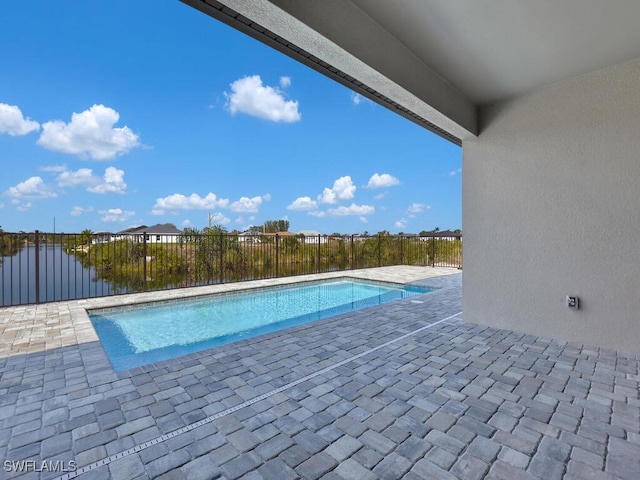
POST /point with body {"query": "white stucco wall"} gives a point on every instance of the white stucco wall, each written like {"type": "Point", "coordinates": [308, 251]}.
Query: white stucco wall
{"type": "Point", "coordinates": [551, 206]}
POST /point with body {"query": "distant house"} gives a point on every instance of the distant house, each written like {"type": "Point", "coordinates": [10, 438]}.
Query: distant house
{"type": "Point", "coordinates": [279, 234]}
{"type": "Point", "coordinates": [101, 237]}
{"type": "Point", "coordinates": [441, 234]}
{"type": "Point", "coordinates": [155, 234]}
{"type": "Point", "coordinates": [312, 237]}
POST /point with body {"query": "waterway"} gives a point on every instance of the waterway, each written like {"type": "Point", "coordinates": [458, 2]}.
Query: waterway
{"type": "Point", "coordinates": [62, 277]}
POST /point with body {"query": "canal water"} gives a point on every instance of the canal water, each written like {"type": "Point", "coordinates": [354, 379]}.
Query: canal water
{"type": "Point", "coordinates": [62, 277]}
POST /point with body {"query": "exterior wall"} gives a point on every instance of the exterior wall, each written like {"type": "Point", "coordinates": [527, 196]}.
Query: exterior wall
{"type": "Point", "coordinates": [551, 206]}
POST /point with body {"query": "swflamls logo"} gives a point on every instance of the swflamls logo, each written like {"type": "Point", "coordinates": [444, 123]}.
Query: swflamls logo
{"type": "Point", "coordinates": [44, 466]}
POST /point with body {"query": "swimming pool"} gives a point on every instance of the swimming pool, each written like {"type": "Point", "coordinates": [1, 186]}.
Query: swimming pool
{"type": "Point", "coordinates": [143, 334]}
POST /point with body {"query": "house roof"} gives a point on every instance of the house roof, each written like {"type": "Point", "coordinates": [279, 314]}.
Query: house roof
{"type": "Point", "coordinates": [131, 230]}
{"type": "Point", "coordinates": [158, 229]}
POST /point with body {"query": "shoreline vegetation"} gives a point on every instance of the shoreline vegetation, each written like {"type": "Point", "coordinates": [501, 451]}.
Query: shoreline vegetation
{"type": "Point", "coordinates": [129, 263]}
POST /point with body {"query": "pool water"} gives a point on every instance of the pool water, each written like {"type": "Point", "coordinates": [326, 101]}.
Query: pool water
{"type": "Point", "coordinates": [135, 336]}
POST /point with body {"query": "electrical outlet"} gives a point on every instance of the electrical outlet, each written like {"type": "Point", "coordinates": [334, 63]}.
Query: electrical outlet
{"type": "Point", "coordinates": [572, 302]}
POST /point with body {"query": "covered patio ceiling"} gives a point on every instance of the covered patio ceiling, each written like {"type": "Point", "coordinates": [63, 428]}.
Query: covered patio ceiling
{"type": "Point", "coordinates": [436, 61]}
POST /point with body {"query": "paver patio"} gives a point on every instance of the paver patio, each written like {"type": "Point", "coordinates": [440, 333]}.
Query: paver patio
{"type": "Point", "coordinates": [402, 390]}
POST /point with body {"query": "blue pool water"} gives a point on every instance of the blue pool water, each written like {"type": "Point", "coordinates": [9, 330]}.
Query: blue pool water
{"type": "Point", "coordinates": [139, 335]}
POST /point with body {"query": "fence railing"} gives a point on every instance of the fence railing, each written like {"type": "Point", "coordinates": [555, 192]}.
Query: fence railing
{"type": "Point", "coordinates": [45, 267]}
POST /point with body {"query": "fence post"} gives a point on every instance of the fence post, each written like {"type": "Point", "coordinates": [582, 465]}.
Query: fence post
{"type": "Point", "coordinates": [277, 255]}
{"type": "Point", "coordinates": [379, 251]}
{"type": "Point", "coordinates": [144, 261]}
{"type": "Point", "coordinates": [433, 252]}
{"type": "Point", "coordinates": [319, 269]}
{"type": "Point", "coordinates": [37, 266]}
{"type": "Point", "coordinates": [352, 260]}
{"type": "Point", "coordinates": [221, 257]}
{"type": "Point", "coordinates": [401, 250]}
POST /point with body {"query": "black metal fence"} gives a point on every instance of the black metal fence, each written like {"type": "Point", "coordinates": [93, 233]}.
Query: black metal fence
{"type": "Point", "coordinates": [45, 267]}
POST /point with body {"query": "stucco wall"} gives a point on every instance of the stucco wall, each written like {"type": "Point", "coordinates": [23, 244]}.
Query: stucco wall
{"type": "Point", "coordinates": [551, 206]}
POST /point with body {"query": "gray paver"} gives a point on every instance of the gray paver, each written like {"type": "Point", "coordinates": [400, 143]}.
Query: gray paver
{"type": "Point", "coordinates": [447, 402]}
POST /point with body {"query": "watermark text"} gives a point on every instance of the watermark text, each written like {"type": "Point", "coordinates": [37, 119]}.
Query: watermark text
{"type": "Point", "coordinates": [22, 466]}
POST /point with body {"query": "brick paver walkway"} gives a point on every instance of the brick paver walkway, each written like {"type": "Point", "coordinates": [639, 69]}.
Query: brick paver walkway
{"type": "Point", "coordinates": [403, 390]}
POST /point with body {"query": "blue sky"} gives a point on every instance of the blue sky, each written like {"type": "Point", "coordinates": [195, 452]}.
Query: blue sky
{"type": "Point", "coordinates": [121, 113]}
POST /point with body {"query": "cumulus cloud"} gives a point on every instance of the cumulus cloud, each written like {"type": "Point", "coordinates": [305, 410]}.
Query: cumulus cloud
{"type": "Point", "coordinates": [382, 181]}
{"type": "Point", "coordinates": [112, 182]}
{"type": "Point", "coordinates": [318, 213]}
{"type": "Point", "coordinates": [115, 215]}
{"type": "Point", "coordinates": [248, 95]}
{"type": "Point", "coordinates": [303, 204]}
{"type": "Point", "coordinates": [401, 223]}
{"type": "Point", "coordinates": [89, 134]}
{"type": "Point", "coordinates": [416, 208]}
{"type": "Point", "coordinates": [218, 219]}
{"type": "Point", "coordinates": [177, 201]}
{"type": "Point", "coordinates": [77, 211]}
{"type": "Point", "coordinates": [54, 168]}
{"type": "Point", "coordinates": [14, 123]}
{"type": "Point", "coordinates": [285, 82]}
{"type": "Point", "coordinates": [246, 205]}
{"type": "Point", "coordinates": [343, 189]}
{"type": "Point", "coordinates": [23, 207]}
{"type": "Point", "coordinates": [83, 176]}
{"type": "Point", "coordinates": [33, 187]}
{"type": "Point", "coordinates": [353, 209]}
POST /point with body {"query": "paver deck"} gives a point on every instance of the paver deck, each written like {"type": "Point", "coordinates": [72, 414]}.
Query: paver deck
{"type": "Point", "coordinates": [402, 390]}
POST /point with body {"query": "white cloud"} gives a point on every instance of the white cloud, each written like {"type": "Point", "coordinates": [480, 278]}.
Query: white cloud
{"type": "Point", "coordinates": [356, 98]}
{"type": "Point", "coordinates": [343, 189]}
{"type": "Point", "coordinates": [266, 197]}
{"type": "Point", "coordinates": [1, 205]}
{"type": "Point", "coordinates": [246, 205]}
{"type": "Point", "coordinates": [455, 172]}
{"type": "Point", "coordinates": [83, 176]}
{"type": "Point", "coordinates": [33, 187]}
{"type": "Point", "coordinates": [317, 213]}
{"type": "Point", "coordinates": [382, 181]}
{"type": "Point", "coordinates": [77, 211]}
{"type": "Point", "coordinates": [178, 201]}
{"type": "Point", "coordinates": [89, 134]}
{"type": "Point", "coordinates": [401, 223]}
{"type": "Point", "coordinates": [14, 123]}
{"type": "Point", "coordinates": [380, 196]}
{"type": "Point", "coordinates": [115, 215]}
{"type": "Point", "coordinates": [416, 208]}
{"type": "Point", "coordinates": [24, 207]}
{"type": "Point", "coordinates": [285, 82]}
{"type": "Point", "coordinates": [353, 209]}
{"type": "Point", "coordinates": [303, 203]}
{"type": "Point", "coordinates": [112, 182]}
{"type": "Point", "coordinates": [186, 223]}
{"type": "Point", "coordinates": [364, 219]}
{"type": "Point", "coordinates": [248, 95]}
{"type": "Point", "coordinates": [54, 168]}
{"type": "Point", "coordinates": [219, 219]}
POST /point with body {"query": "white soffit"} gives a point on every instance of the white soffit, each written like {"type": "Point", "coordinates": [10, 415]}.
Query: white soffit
{"type": "Point", "coordinates": [496, 49]}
